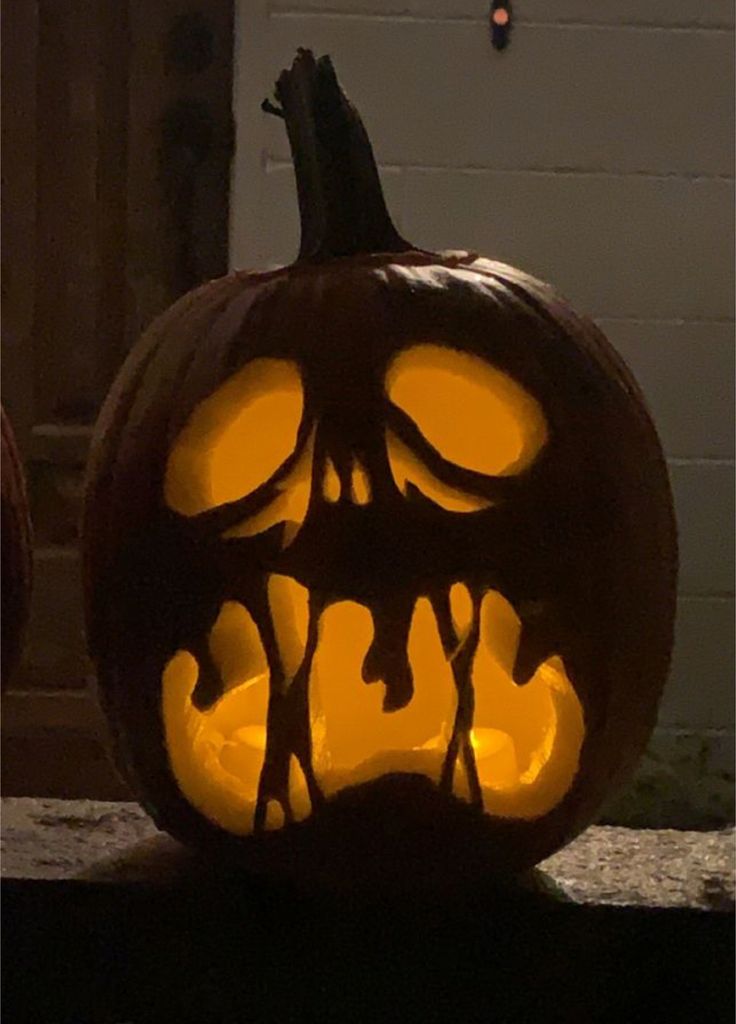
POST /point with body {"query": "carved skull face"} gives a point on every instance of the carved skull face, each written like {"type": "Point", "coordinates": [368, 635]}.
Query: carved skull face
{"type": "Point", "coordinates": [370, 509]}
{"type": "Point", "coordinates": [387, 516]}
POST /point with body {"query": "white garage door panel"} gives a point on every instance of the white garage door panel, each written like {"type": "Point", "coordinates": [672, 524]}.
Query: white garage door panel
{"type": "Point", "coordinates": [616, 247]}
{"type": "Point", "coordinates": [596, 152]}
{"type": "Point", "coordinates": [637, 247]}
{"type": "Point", "coordinates": [699, 693]}
{"type": "Point", "coordinates": [704, 504]}
{"type": "Point", "coordinates": [619, 99]}
{"type": "Point", "coordinates": [686, 371]}
{"type": "Point", "coordinates": [623, 12]}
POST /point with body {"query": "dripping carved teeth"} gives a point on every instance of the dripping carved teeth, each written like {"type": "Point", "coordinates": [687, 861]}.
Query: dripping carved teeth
{"type": "Point", "coordinates": [460, 720]}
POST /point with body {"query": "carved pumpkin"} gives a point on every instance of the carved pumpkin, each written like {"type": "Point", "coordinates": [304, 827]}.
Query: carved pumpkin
{"type": "Point", "coordinates": [380, 515]}
{"type": "Point", "coordinates": [16, 552]}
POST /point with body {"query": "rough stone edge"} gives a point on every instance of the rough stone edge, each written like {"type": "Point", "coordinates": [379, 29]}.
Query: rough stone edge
{"type": "Point", "coordinates": [117, 843]}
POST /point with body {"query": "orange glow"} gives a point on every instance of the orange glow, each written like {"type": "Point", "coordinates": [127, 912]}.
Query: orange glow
{"type": "Point", "coordinates": [237, 438]}
{"type": "Point", "coordinates": [358, 740]}
{"type": "Point", "coordinates": [500, 16]}
{"type": "Point", "coordinates": [474, 415]}
{"type": "Point", "coordinates": [406, 469]}
{"type": "Point", "coordinates": [289, 604]}
{"type": "Point", "coordinates": [217, 755]}
{"type": "Point", "coordinates": [360, 485]}
{"type": "Point", "coordinates": [289, 506]}
{"type": "Point", "coordinates": [461, 609]}
{"type": "Point", "coordinates": [330, 482]}
{"type": "Point", "coordinates": [526, 741]}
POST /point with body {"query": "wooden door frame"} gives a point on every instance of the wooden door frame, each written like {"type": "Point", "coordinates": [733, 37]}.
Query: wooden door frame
{"type": "Point", "coordinates": [96, 241]}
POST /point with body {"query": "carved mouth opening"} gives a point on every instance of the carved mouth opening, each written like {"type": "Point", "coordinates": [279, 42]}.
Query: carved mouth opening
{"type": "Point", "coordinates": [263, 755]}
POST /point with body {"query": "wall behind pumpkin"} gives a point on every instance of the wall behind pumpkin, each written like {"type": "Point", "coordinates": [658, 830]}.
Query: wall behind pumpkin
{"type": "Point", "coordinates": [595, 152]}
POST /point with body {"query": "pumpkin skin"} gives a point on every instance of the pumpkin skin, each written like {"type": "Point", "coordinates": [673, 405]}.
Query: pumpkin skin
{"type": "Point", "coordinates": [580, 543]}
{"type": "Point", "coordinates": [16, 552]}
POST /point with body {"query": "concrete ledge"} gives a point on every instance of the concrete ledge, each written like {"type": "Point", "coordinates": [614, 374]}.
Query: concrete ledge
{"type": "Point", "coordinates": [106, 920]}
{"type": "Point", "coordinates": [117, 842]}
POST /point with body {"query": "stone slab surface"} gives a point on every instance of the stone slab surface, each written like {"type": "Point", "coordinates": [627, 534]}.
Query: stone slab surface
{"type": "Point", "coordinates": [118, 843]}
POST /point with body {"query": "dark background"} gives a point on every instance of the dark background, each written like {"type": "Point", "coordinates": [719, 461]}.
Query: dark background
{"type": "Point", "coordinates": [117, 138]}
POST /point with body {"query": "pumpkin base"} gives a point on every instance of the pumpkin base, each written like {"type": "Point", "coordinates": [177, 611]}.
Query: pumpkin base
{"type": "Point", "coordinates": [398, 833]}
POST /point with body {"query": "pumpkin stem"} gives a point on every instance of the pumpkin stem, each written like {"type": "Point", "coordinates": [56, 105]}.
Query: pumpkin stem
{"type": "Point", "coordinates": [341, 202]}
{"type": "Point", "coordinates": [270, 108]}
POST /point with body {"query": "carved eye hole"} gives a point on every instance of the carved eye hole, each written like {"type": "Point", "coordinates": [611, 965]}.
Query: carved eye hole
{"type": "Point", "coordinates": [472, 414]}
{"type": "Point", "coordinates": [236, 439]}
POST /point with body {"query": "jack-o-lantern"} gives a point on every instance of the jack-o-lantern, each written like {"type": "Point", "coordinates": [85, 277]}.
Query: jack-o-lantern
{"type": "Point", "coordinates": [16, 552]}
{"type": "Point", "coordinates": [379, 515]}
